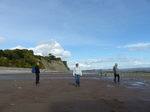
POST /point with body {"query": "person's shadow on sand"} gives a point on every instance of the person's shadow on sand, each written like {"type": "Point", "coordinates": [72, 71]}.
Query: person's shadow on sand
{"type": "Point", "coordinates": [73, 84]}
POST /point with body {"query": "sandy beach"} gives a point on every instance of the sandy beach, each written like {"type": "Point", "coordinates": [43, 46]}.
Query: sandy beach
{"type": "Point", "coordinates": [57, 93]}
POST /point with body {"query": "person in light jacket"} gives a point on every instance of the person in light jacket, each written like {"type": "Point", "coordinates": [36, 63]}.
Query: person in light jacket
{"type": "Point", "coordinates": [116, 73]}
{"type": "Point", "coordinates": [77, 73]}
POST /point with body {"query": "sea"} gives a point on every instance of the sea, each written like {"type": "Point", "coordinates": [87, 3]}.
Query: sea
{"type": "Point", "coordinates": [124, 70]}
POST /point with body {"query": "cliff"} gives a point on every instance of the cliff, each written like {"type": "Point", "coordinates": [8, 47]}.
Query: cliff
{"type": "Point", "coordinates": [22, 59]}
{"type": "Point", "coordinates": [55, 65]}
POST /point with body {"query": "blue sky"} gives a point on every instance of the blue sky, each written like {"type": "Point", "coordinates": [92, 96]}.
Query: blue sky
{"type": "Point", "coordinates": [95, 33]}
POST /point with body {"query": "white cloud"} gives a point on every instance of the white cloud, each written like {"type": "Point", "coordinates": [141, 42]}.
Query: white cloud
{"type": "Point", "coordinates": [83, 66]}
{"type": "Point", "coordinates": [137, 63]}
{"type": "Point", "coordinates": [101, 63]}
{"type": "Point", "coordinates": [18, 47]}
{"type": "Point", "coordinates": [46, 47]}
{"type": "Point", "coordinates": [135, 45]}
{"type": "Point", "coordinates": [109, 60]}
{"type": "Point", "coordinates": [2, 39]}
{"type": "Point", "coordinates": [136, 49]}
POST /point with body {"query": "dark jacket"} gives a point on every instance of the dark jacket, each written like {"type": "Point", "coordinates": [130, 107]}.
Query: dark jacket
{"type": "Point", "coordinates": [37, 69]}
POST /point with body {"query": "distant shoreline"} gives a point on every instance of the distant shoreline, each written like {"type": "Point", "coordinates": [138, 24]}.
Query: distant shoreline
{"type": "Point", "coordinates": [4, 70]}
{"type": "Point", "coordinates": [13, 68]}
{"type": "Point", "coordinates": [9, 70]}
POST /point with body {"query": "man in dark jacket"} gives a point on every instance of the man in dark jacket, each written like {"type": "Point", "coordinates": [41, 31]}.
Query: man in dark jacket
{"type": "Point", "coordinates": [37, 73]}
{"type": "Point", "coordinates": [116, 73]}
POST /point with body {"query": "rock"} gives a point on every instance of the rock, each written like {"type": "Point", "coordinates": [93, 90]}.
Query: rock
{"type": "Point", "coordinates": [12, 104]}
{"type": "Point", "coordinates": [19, 87]}
{"type": "Point", "coordinates": [54, 65]}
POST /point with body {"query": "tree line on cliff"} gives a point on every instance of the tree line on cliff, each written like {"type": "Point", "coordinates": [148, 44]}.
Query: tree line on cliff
{"type": "Point", "coordinates": [24, 58]}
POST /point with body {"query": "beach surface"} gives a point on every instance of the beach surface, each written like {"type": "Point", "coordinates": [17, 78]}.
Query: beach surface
{"type": "Point", "coordinates": [57, 93]}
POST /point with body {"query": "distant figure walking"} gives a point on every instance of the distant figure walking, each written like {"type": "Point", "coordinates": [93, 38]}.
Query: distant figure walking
{"type": "Point", "coordinates": [101, 72]}
{"type": "Point", "coordinates": [77, 73]}
{"type": "Point", "coordinates": [116, 73]}
{"type": "Point", "coordinates": [37, 73]}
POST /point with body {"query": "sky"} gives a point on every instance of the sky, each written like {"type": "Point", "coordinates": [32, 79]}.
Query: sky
{"type": "Point", "coordinates": [95, 33]}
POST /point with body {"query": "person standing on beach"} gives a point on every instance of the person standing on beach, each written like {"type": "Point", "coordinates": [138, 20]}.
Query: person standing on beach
{"type": "Point", "coordinates": [37, 73]}
{"type": "Point", "coordinates": [101, 72]}
{"type": "Point", "coordinates": [77, 73]}
{"type": "Point", "coordinates": [116, 73]}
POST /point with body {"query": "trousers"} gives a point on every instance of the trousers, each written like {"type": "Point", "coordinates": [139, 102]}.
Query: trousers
{"type": "Point", "coordinates": [77, 78]}
{"type": "Point", "coordinates": [116, 76]}
{"type": "Point", "coordinates": [37, 78]}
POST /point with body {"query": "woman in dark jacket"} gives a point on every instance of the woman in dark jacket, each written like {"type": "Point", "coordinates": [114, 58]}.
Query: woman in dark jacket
{"type": "Point", "coordinates": [37, 73]}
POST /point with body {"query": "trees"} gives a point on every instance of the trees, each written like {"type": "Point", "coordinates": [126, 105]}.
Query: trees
{"type": "Point", "coordinates": [17, 58]}
{"type": "Point", "coordinates": [19, 53]}
{"type": "Point", "coordinates": [7, 54]}
{"type": "Point", "coordinates": [1, 53]}
{"type": "Point", "coordinates": [52, 57]}
{"type": "Point", "coordinates": [24, 58]}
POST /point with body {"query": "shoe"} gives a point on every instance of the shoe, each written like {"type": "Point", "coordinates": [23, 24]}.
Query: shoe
{"type": "Point", "coordinates": [78, 85]}
{"type": "Point", "coordinates": [38, 84]}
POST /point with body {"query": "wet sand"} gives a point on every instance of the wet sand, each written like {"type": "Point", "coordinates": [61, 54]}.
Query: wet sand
{"type": "Point", "coordinates": [57, 93]}
{"type": "Point", "coordinates": [139, 76]}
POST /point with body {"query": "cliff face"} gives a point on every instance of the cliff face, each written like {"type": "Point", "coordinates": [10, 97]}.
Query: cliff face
{"type": "Point", "coordinates": [54, 65]}
{"type": "Point", "coordinates": [60, 66]}
{"type": "Point", "coordinates": [25, 58]}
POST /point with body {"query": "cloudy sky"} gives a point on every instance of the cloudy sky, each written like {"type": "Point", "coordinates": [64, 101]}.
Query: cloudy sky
{"type": "Point", "coordinates": [95, 33]}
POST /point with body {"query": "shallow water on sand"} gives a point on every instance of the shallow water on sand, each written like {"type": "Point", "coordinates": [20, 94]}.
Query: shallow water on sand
{"type": "Point", "coordinates": [127, 83]}
{"type": "Point", "coordinates": [13, 78]}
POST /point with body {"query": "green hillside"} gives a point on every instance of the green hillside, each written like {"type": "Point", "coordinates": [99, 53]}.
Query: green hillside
{"type": "Point", "coordinates": [25, 58]}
